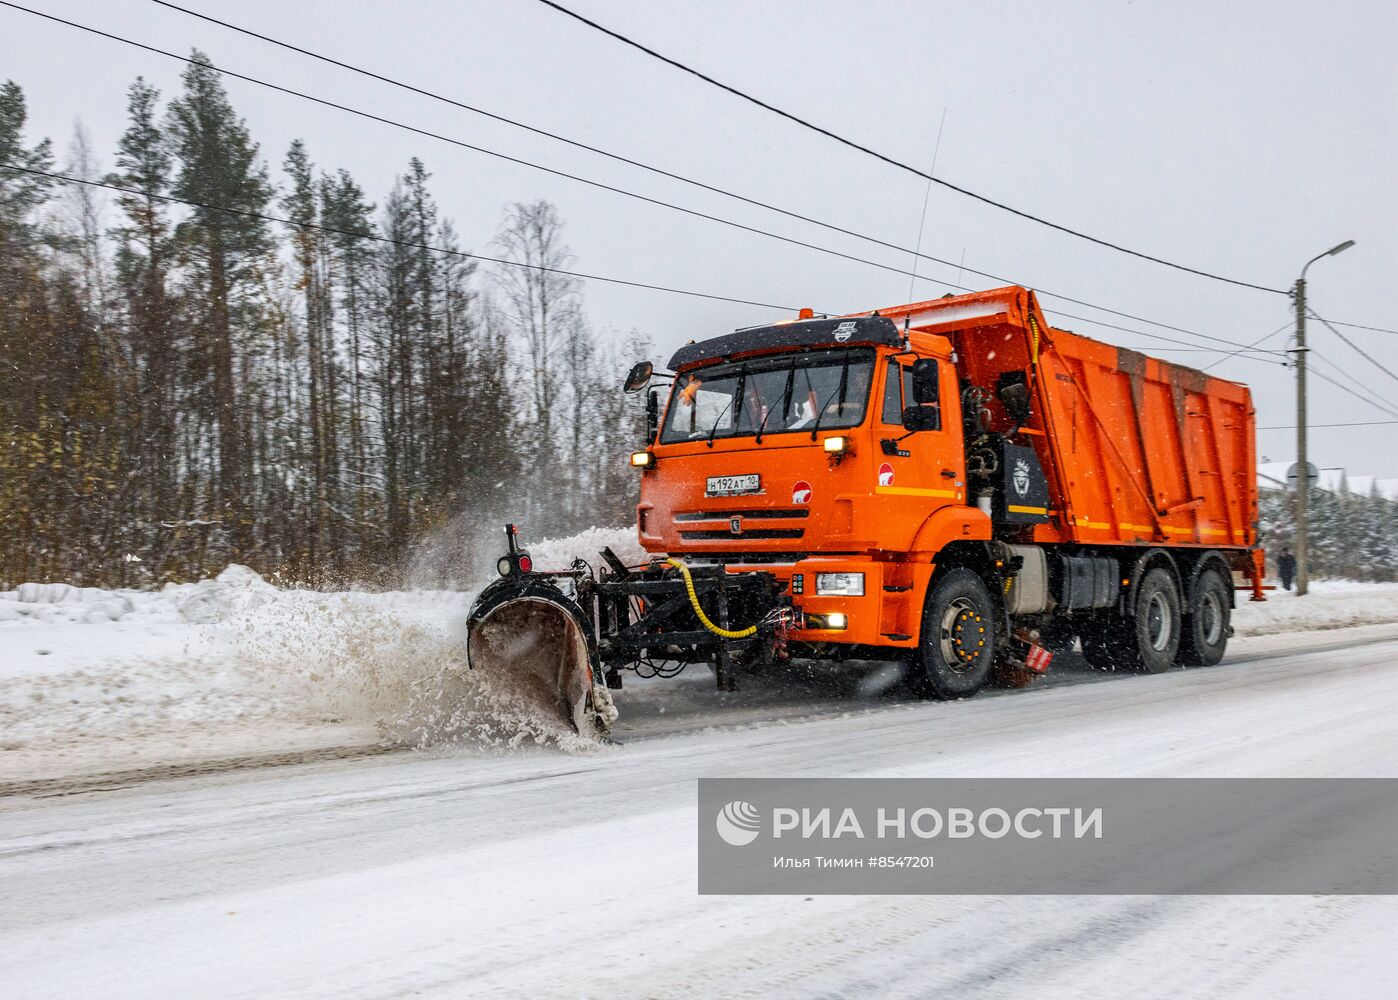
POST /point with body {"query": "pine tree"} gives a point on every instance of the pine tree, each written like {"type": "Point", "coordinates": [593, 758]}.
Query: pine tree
{"type": "Point", "coordinates": [21, 194]}
{"type": "Point", "coordinates": [302, 207]}
{"type": "Point", "coordinates": [395, 322]}
{"type": "Point", "coordinates": [453, 444]}
{"type": "Point", "coordinates": [143, 260]}
{"type": "Point", "coordinates": [224, 243]}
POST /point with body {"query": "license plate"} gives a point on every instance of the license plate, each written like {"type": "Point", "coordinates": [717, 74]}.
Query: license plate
{"type": "Point", "coordinates": [732, 486]}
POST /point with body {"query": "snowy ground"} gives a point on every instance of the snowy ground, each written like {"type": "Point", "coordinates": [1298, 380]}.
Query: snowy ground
{"type": "Point", "coordinates": [506, 860]}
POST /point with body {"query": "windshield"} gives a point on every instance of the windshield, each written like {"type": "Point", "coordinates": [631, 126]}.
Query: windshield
{"type": "Point", "coordinates": [770, 395]}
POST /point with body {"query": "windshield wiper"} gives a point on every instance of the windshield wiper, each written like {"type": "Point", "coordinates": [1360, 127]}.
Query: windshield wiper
{"type": "Point", "coordinates": [786, 396]}
{"type": "Point", "coordinates": [737, 413]}
{"type": "Point", "coordinates": [844, 384]}
{"type": "Point", "coordinates": [714, 429]}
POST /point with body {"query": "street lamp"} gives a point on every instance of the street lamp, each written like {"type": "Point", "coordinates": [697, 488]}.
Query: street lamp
{"type": "Point", "coordinates": [1303, 479]}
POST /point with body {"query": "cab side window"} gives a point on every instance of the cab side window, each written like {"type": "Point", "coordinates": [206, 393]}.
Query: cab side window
{"type": "Point", "coordinates": [892, 403]}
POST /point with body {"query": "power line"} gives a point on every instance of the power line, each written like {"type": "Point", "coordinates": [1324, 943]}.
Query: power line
{"type": "Point", "coordinates": [1374, 402]}
{"type": "Point", "coordinates": [1259, 340]}
{"type": "Point", "coordinates": [1249, 354]}
{"type": "Point", "coordinates": [893, 162]}
{"type": "Point", "coordinates": [447, 139]}
{"type": "Point", "coordinates": [385, 239]}
{"type": "Point", "coordinates": [916, 253]}
{"type": "Point", "coordinates": [1363, 392]}
{"type": "Point", "coordinates": [1375, 398]}
{"type": "Point", "coordinates": [1357, 423]}
{"type": "Point", "coordinates": [1359, 326]}
{"type": "Point", "coordinates": [611, 188]}
{"type": "Point", "coordinates": [1359, 350]}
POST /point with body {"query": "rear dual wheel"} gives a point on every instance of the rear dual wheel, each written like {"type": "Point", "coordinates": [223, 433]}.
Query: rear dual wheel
{"type": "Point", "coordinates": [1206, 625]}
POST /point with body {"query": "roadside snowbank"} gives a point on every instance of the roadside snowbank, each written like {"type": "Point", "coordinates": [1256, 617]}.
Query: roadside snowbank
{"type": "Point", "coordinates": [236, 666]}
{"type": "Point", "coordinates": [1330, 604]}
{"type": "Point", "coordinates": [238, 591]}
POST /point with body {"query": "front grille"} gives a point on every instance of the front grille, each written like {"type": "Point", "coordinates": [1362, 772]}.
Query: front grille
{"type": "Point", "coordinates": [755, 533]}
{"type": "Point", "coordinates": [767, 513]}
{"type": "Point", "coordinates": [728, 557]}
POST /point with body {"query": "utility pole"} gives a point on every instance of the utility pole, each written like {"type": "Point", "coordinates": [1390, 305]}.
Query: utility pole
{"type": "Point", "coordinates": [1303, 469]}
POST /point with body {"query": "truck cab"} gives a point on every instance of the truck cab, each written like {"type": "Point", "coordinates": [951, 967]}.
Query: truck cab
{"type": "Point", "coordinates": [828, 452]}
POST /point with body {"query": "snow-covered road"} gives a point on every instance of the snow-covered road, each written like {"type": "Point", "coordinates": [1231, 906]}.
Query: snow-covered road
{"type": "Point", "coordinates": [538, 873]}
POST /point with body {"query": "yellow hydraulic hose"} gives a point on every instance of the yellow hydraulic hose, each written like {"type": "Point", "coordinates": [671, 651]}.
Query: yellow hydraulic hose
{"type": "Point", "coordinates": [723, 633]}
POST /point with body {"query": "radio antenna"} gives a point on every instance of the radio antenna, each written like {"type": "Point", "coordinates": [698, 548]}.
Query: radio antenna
{"type": "Point", "coordinates": [927, 195]}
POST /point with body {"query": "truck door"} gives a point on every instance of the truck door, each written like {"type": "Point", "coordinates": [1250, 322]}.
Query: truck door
{"type": "Point", "coordinates": [928, 463]}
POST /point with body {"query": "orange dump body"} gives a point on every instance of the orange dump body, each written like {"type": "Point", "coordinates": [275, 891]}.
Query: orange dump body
{"type": "Point", "coordinates": [1136, 450]}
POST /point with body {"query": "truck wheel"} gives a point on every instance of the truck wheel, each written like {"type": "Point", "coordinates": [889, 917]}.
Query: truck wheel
{"type": "Point", "coordinates": [958, 638]}
{"type": "Point", "coordinates": [1158, 622]}
{"type": "Point", "coordinates": [1206, 626]}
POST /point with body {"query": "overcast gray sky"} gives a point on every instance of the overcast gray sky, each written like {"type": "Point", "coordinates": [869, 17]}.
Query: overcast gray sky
{"type": "Point", "coordinates": [1241, 138]}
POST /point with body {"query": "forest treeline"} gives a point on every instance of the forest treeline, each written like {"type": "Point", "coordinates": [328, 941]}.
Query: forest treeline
{"type": "Point", "coordinates": [185, 383]}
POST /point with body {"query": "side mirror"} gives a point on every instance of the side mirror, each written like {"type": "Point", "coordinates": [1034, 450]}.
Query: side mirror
{"type": "Point", "coordinates": [920, 418]}
{"type": "Point", "coordinates": [925, 381]}
{"type": "Point", "coordinates": [1015, 396]}
{"type": "Point", "coordinates": [639, 377]}
{"type": "Point", "coordinates": [652, 415]}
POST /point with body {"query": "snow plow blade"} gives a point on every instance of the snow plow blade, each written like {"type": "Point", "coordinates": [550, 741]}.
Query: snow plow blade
{"type": "Point", "coordinates": [528, 631]}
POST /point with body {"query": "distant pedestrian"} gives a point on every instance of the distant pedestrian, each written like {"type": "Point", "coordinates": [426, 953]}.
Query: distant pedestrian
{"type": "Point", "coordinates": [1286, 568]}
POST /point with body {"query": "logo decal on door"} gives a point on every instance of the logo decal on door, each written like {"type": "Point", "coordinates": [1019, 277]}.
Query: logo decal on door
{"type": "Point", "coordinates": [885, 474]}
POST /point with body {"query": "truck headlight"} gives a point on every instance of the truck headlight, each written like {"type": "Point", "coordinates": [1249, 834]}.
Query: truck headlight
{"type": "Point", "coordinates": [642, 459]}
{"type": "Point", "coordinates": [837, 445]}
{"type": "Point", "coordinates": [839, 584]}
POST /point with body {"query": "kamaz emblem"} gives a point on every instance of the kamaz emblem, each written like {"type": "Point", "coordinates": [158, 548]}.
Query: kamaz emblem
{"type": "Point", "coordinates": [735, 525]}
{"type": "Point", "coordinates": [1021, 477]}
{"type": "Point", "coordinates": [844, 331]}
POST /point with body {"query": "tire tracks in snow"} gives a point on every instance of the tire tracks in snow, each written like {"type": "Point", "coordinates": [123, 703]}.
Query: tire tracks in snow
{"type": "Point", "coordinates": [111, 781]}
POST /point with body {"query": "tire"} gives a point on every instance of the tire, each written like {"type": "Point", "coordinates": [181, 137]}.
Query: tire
{"type": "Point", "coordinates": [1206, 625]}
{"type": "Point", "coordinates": [1157, 621]}
{"type": "Point", "coordinates": [957, 650]}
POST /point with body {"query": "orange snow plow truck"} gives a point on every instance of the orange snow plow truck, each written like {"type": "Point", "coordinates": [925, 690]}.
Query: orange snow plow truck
{"type": "Point", "coordinates": [953, 484]}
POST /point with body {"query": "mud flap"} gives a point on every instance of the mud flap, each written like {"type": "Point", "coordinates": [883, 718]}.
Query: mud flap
{"type": "Point", "coordinates": [530, 632]}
